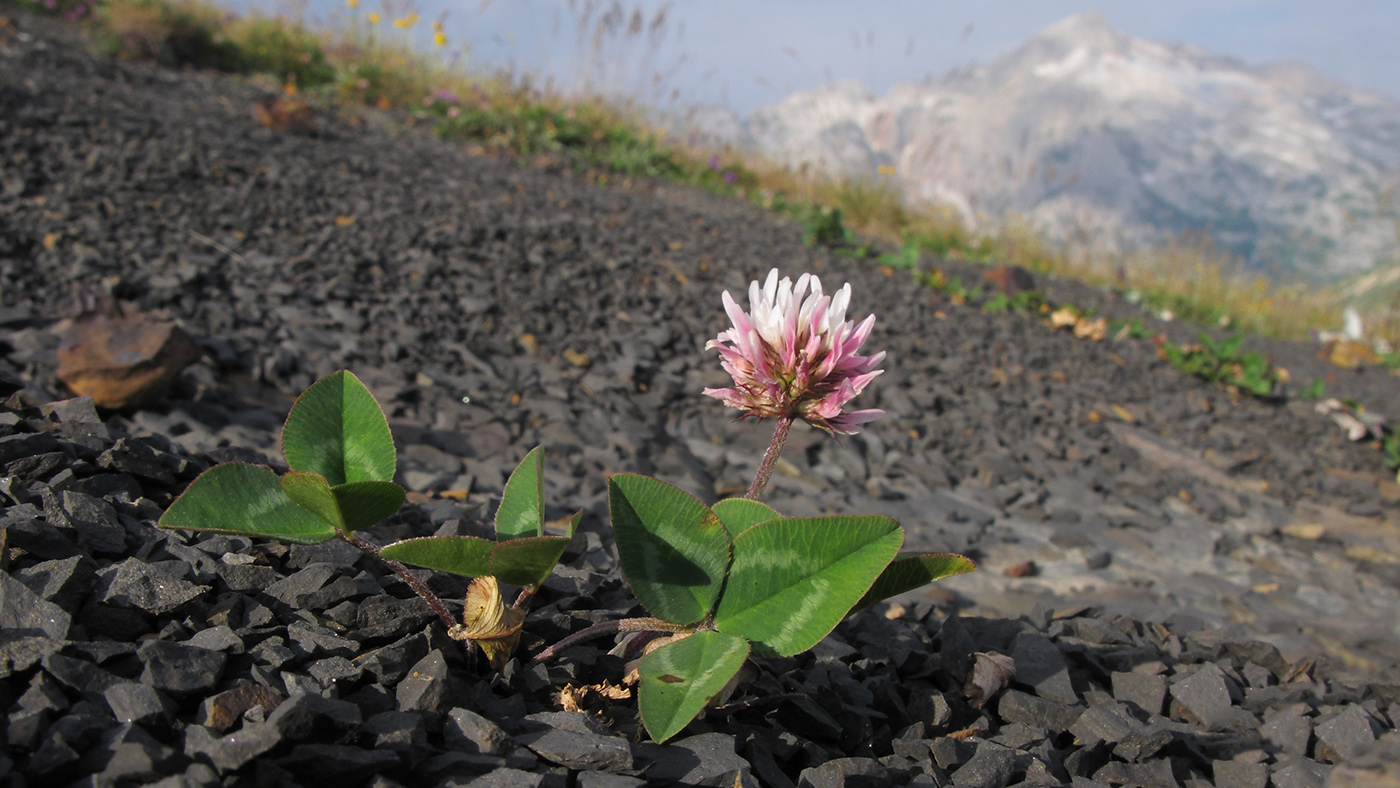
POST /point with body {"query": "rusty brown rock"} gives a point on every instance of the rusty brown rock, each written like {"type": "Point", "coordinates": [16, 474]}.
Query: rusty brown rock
{"type": "Point", "coordinates": [120, 361]}
{"type": "Point", "coordinates": [224, 709]}
{"type": "Point", "coordinates": [1010, 279]}
{"type": "Point", "coordinates": [285, 113]}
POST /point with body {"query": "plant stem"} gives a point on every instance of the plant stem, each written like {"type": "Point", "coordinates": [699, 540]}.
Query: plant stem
{"type": "Point", "coordinates": [414, 583]}
{"type": "Point", "coordinates": [770, 458]}
{"type": "Point", "coordinates": [607, 628]}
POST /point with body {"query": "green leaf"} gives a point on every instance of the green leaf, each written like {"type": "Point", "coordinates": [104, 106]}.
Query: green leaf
{"type": "Point", "coordinates": [528, 561]}
{"type": "Point", "coordinates": [336, 429]}
{"type": "Point", "coordinates": [911, 571]}
{"type": "Point", "coordinates": [366, 503]}
{"type": "Point", "coordinates": [468, 556]}
{"type": "Point", "coordinates": [522, 503]}
{"type": "Point", "coordinates": [738, 514]}
{"type": "Point", "coordinates": [674, 550]}
{"type": "Point", "coordinates": [680, 679]}
{"type": "Point", "coordinates": [311, 492]}
{"type": "Point", "coordinates": [794, 579]}
{"type": "Point", "coordinates": [238, 498]}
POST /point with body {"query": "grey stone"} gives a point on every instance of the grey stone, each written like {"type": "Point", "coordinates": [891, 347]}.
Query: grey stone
{"type": "Point", "coordinates": [696, 760]}
{"type": "Point", "coordinates": [63, 581]}
{"type": "Point", "coordinates": [180, 669]}
{"type": "Point", "coordinates": [1238, 774]}
{"type": "Point", "coordinates": [383, 616]}
{"type": "Point", "coordinates": [305, 581]}
{"type": "Point", "coordinates": [990, 766]}
{"type": "Point", "coordinates": [605, 780]}
{"type": "Point", "coordinates": [314, 640]}
{"type": "Point", "coordinates": [507, 777]}
{"type": "Point", "coordinates": [127, 754]}
{"type": "Point", "coordinates": [20, 652]}
{"type": "Point", "coordinates": [1103, 723]}
{"type": "Point", "coordinates": [1288, 728]}
{"type": "Point", "coordinates": [1204, 695]}
{"type": "Point", "coordinates": [429, 685]}
{"type": "Point", "coordinates": [402, 732]}
{"type": "Point", "coordinates": [26, 444]}
{"type": "Point", "coordinates": [219, 638]}
{"type": "Point", "coordinates": [1017, 706]}
{"type": "Point", "coordinates": [43, 694]}
{"type": "Point", "coordinates": [299, 717]}
{"type": "Point", "coordinates": [92, 518]}
{"type": "Point", "coordinates": [1154, 774]}
{"type": "Point", "coordinates": [1348, 733]}
{"type": "Point", "coordinates": [575, 740]}
{"type": "Point", "coordinates": [140, 586]}
{"type": "Point", "coordinates": [137, 458]}
{"type": "Point", "coordinates": [931, 708]}
{"type": "Point", "coordinates": [80, 675]}
{"type": "Point", "coordinates": [330, 670]}
{"type": "Point", "coordinates": [845, 773]}
{"type": "Point", "coordinates": [468, 731]}
{"type": "Point", "coordinates": [139, 703]}
{"type": "Point", "coordinates": [1145, 742]}
{"type": "Point", "coordinates": [331, 764]}
{"type": "Point", "coordinates": [1040, 664]}
{"type": "Point", "coordinates": [245, 578]}
{"type": "Point", "coordinates": [23, 611]}
{"type": "Point", "coordinates": [1147, 691]}
{"type": "Point", "coordinates": [389, 664]}
{"type": "Point", "coordinates": [1299, 773]}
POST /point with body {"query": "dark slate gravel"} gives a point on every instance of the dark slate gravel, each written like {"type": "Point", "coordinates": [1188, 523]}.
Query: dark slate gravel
{"type": "Point", "coordinates": [1213, 602]}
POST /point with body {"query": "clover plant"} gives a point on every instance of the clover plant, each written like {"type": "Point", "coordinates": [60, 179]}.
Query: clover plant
{"type": "Point", "coordinates": [340, 450]}
{"type": "Point", "coordinates": [722, 583]}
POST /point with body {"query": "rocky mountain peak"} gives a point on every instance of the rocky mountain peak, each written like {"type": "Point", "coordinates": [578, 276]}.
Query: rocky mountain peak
{"type": "Point", "coordinates": [1090, 132]}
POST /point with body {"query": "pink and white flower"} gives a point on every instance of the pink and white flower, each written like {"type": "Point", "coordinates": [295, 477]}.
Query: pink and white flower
{"type": "Point", "coordinates": [794, 355]}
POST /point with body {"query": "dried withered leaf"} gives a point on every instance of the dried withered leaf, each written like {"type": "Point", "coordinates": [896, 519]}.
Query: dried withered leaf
{"type": "Point", "coordinates": [1091, 329]}
{"type": "Point", "coordinates": [488, 623]}
{"type": "Point", "coordinates": [591, 697]}
{"type": "Point", "coordinates": [1065, 316]}
{"type": "Point", "coordinates": [990, 674]}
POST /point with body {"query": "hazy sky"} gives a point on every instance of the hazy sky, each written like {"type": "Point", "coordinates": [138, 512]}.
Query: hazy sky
{"type": "Point", "coordinates": [747, 53]}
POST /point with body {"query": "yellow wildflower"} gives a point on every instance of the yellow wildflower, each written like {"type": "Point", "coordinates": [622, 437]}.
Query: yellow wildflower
{"type": "Point", "coordinates": [439, 39]}
{"type": "Point", "coordinates": [373, 17]}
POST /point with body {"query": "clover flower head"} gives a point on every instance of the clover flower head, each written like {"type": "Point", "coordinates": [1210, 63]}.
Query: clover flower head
{"type": "Point", "coordinates": [794, 354]}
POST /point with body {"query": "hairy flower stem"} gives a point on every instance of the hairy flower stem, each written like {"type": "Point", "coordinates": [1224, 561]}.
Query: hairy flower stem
{"type": "Point", "coordinates": [608, 628]}
{"type": "Point", "coordinates": [770, 458]}
{"type": "Point", "coordinates": [406, 576]}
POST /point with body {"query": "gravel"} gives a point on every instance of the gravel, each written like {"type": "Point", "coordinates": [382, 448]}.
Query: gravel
{"type": "Point", "coordinates": [1214, 584]}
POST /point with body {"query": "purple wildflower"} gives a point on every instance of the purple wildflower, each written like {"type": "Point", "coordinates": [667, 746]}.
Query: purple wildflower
{"type": "Point", "coordinates": [796, 357]}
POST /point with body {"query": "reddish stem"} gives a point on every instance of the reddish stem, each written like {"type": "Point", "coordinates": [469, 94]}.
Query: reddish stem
{"type": "Point", "coordinates": [414, 583]}
{"type": "Point", "coordinates": [770, 458]}
{"type": "Point", "coordinates": [607, 628]}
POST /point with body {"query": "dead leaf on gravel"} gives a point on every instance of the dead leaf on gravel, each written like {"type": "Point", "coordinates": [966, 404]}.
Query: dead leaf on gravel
{"type": "Point", "coordinates": [1063, 317]}
{"type": "Point", "coordinates": [1347, 353]}
{"type": "Point", "coordinates": [488, 623]}
{"type": "Point", "coordinates": [1091, 329]}
{"type": "Point", "coordinates": [591, 698]}
{"type": "Point", "coordinates": [990, 674]}
{"type": "Point", "coordinates": [285, 113]}
{"type": "Point", "coordinates": [1124, 414]}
